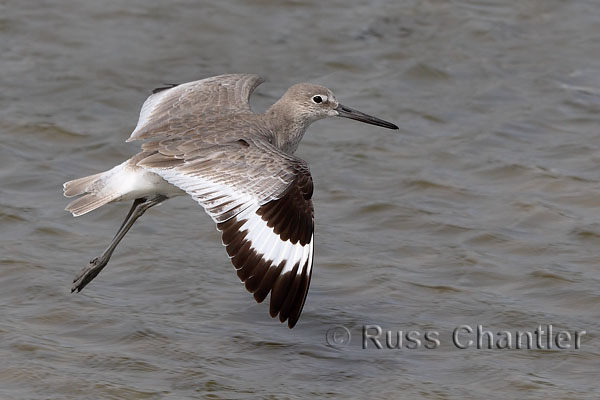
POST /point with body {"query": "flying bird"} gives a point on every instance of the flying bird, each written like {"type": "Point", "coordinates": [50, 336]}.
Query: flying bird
{"type": "Point", "coordinates": [202, 139]}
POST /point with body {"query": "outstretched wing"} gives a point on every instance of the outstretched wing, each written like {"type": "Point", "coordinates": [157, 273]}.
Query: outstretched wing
{"type": "Point", "coordinates": [178, 109]}
{"type": "Point", "coordinates": [260, 199]}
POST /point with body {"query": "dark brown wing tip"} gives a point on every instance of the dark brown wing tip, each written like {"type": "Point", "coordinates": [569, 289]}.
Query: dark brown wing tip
{"type": "Point", "coordinates": [301, 296]}
{"type": "Point", "coordinates": [166, 86]}
{"type": "Point", "coordinates": [292, 322]}
{"type": "Point", "coordinates": [289, 294]}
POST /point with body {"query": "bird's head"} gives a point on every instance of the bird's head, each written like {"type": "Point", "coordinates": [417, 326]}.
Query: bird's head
{"type": "Point", "coordinates": [314, 102]}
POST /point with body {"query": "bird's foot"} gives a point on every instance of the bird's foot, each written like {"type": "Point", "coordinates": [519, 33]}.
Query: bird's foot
{"type": "Point", "coordinates": [88, 273]}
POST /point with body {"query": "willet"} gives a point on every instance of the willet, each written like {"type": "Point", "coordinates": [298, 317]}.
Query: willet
{"type": "Point", "coordinates": [203, 140]}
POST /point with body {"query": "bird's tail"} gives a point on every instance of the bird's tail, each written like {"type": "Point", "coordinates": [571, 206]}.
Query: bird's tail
{"type": "Point", "coordinates": [94, 197]}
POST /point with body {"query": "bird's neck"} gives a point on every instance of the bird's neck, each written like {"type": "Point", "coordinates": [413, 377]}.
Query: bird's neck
{"type": "Point", "coordinates": [286, 125]}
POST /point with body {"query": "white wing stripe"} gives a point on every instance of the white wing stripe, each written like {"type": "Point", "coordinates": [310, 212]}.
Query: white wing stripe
{"type": "Point", "coordinates": [263, 238]}
{"type": "Point", "coordinates": [269, 244]}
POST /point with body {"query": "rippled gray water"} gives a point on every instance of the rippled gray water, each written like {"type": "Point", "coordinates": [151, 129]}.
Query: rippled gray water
{"type": "Point", "coordinates": [483, 209]}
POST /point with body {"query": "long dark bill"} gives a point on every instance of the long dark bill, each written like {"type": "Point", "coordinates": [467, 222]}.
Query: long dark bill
{"type": "Point", "coordinates": [347, 112]}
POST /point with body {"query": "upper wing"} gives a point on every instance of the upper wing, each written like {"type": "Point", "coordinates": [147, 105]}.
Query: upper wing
{"type": "Point", "coordinates": [180, 108]}
{"type": "Point", "coordinates": [260, 199]}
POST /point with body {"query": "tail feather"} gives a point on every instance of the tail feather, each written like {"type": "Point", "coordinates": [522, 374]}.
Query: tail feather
{"type": "Point", "coordinates": [126, 181]}
{"type": "Point", "coordinates": [89, 202]}
{"type": "Point", "coordinates": [93, 188]}
{"type": "Point", "coordinates": [81, 185]}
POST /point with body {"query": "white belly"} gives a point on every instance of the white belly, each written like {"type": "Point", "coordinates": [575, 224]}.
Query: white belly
{"type": "Point", "coordinates": [132, 182]}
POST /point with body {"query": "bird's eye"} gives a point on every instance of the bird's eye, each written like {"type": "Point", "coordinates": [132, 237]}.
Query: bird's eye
{"type": "Point", "coordinates": [317, 99]}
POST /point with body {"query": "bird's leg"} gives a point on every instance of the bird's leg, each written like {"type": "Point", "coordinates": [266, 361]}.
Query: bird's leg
{"type": "Point", "coordinates": [138, 208]}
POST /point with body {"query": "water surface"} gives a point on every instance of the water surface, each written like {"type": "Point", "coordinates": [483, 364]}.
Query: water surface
{"type": "Point", "coordinates": [482, 209]}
